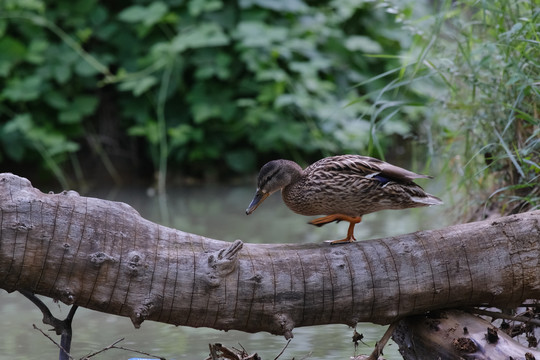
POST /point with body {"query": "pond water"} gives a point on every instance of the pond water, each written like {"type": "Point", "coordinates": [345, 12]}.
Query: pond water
{"type": "Point", "coordinates": [216, 212]}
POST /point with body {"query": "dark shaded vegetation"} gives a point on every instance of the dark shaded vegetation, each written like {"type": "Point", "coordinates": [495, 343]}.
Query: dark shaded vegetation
{"type": "Point", "coordinates": [209, 89]}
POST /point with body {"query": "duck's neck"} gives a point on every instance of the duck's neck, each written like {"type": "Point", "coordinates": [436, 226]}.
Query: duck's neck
{"type": "Point", "coordinates": [292, 192]}
{"type": "Point", "coordinates": [292, 170]}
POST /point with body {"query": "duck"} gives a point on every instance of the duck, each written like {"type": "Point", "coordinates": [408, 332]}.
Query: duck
{"type": "Point", "coordinates": [342, 188]}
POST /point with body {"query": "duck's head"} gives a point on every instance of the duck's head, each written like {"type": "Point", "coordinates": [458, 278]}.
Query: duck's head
{"type": "Point", "coordinates": [274, 176]}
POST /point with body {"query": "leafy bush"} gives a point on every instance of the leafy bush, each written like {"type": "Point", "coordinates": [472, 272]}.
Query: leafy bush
{"type": "Point", "coordinates": [209, 86]}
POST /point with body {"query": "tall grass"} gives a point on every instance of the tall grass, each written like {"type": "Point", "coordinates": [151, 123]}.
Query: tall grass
{"type": "Point", "coordinates": [496, 72]}
{"type": "Point", "coordinates": [479, 61]}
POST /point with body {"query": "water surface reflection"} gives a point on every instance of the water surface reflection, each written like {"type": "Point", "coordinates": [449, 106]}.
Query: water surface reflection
{"type": "Point", "coordinates": [216, 212]}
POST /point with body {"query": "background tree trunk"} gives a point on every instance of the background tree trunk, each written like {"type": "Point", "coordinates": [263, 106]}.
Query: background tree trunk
{"type": "Point", "coordinates": [102, 255]}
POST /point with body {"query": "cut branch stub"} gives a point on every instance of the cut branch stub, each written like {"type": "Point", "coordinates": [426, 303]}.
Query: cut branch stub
{"type": "Point", "coordinates": [102, 255]}
{"type": "Point", "coordinates": [222, 262]}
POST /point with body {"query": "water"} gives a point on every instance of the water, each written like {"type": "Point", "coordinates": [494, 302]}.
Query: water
{"type": "Point", "coordinates": [216, 212]}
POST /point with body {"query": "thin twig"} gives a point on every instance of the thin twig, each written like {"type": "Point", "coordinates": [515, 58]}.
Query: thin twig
{"type": "Point", "coordinates": [307, 356]}
{"type": "Point", "coordinates": [113, 346]}
{"type": "Point", "coordinates": [382, 343]}
{"type": "Point", "coordinates": [499, 315]}
{"type": "Point", "coordinates": [139, 352]}
{"type": "Point", "coordinates": [283, 350]}
{"type": "Point", "coordinates": [242, 353]}
{"type": "Point", "coordinates": [52, 340]}
{"type": "Point", "coordinates": [61, 327]}
{"type": "Point", "coordinates": [102, 350]}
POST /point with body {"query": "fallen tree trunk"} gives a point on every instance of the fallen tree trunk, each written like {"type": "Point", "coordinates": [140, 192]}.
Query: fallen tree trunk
{"type": "Point", "coordinates": [456, 334]}
{"type": "Point", "coordinates": [102, 255]}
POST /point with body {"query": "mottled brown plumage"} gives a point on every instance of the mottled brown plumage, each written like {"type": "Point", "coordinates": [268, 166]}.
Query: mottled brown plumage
{"type": "Point", "coordinates": [344, 187]}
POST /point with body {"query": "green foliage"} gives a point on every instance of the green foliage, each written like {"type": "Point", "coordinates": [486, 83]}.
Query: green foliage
{"type": "Point", "coordinates": [206, 84]}
{"type": "Point", "coordinates": [487, 57]}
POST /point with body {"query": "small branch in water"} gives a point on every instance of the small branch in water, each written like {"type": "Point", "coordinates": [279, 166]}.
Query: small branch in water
{"type": "Point", "coordinates": [61, 327]}
{"type": "Point", "coordinates": [54, 342]}
{"type": "Point", "coordinates": [102, 350]}
{"type": "Point", "coordinates": [382, 343]}
{"type": "Point", "coordinates": [283, 350]}
{"type": "Point", "coordinates": [113, 346]}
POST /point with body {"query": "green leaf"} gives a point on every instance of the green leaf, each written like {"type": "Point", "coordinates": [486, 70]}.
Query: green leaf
{"type": "Point", "coordinates": [293, 6]}
{"type": "Point", "coordinates": [256, 34]}
{"type": "Point", "coordinates": [197, 7]}
{"type": "Point", "coordinates": [212, 65]}
{"type": "Point", "coordinates": [182, 134]}
{"type": "Point", "coordinates": [21, 123]}
{"type": "Point", "coordinates": [84, 34]}
{"type": "Point", "coordinates": [203, 111]}
{"type": "Point", "coordinates": [99, 15]}
{"type": "Point", "coordinates": [83, 68]}
{"type": "Point", "coordinates": [11, 49]}
{"type": "Point", "coordinates": [133, 14]}
{"type": "Point", "coordinates": [138, 86]}
{"type": "Point", "coordinates": [56, 100]}
{"type": "Point", "coordinates": [26, 89]}
{"type": "Point", "coordinates": [85, 105]}
{"type": "Point", "coordinates": [363, 43]}
{"type": "Point", "coordinates": [148, 15]}
{"type": "Point", "coordinates": [11, 52]}
{"type": "Point", "coordinates": [149, 130]}
{"type": "Point", "coordinates": [69, 117]}
{"type": "Point", "coordinates": [36, 51]}
{"type": "Point", "coordinates": [14, 144]}
{"type": "Point", "coordinates": [155, 11]}
{"type": "Point", "coordinates": [80, 107]}
{"type": "Point", "coordinates": [3, 27]}
{"type": "Point", "coordinates": [13, 136]}
{"type": "Point", "coordinates": [203, 35]}
{"type": "Point", "coordinates": [61, 73]}
{"type": "Point", "coordinates": [28, 5]}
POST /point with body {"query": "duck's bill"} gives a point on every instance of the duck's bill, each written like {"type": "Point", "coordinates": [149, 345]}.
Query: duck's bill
{"type": "Point", "coordinates": [257, 200]}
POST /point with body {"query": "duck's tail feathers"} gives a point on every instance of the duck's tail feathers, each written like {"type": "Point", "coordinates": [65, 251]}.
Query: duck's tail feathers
{"type": "Point", "coordinates": [427, 200]}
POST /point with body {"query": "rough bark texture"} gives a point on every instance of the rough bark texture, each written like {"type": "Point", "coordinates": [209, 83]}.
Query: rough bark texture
{"type": "Point", "coordinates": [102, 255]}
{"type": "Point", "coordinates": [456, 335]}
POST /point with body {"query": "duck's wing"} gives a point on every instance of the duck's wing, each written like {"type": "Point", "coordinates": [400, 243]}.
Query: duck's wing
{"type": "Point", "coordinates": [364, 166]}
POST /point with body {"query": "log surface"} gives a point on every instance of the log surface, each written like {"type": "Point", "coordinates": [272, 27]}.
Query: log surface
{"type": "Point", "coordinates": [104, 256]}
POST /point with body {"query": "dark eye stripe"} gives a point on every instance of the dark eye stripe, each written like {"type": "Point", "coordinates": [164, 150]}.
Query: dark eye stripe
{"type": "Point", "coordinates": [267, 178]}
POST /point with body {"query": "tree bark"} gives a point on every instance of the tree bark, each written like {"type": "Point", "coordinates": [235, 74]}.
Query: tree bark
{"type": "Point", "coordinates": [456, 335]}
{"type": "Point", "coordinates": [103, 255]}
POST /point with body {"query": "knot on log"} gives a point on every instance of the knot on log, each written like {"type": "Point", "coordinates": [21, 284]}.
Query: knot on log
{"type": "Point", "coordinates": [99, 258]}
{"type": "Point", "coordinates": [70, 193]}
{"type": "Point", "coordinates": [66, 296]}
{"type": "Point", "coordinates": [491, 336]}
{"type": "Point", "coordinates": [21, 226]}
{"type": "Point", "coordinates": [285, 325]}
{"type": "Point", "coordinates": [147, 308]}
{"type": "Point", "coordinates": [134, 263]}
{"type": "Point", "coordinates": [222, 262]}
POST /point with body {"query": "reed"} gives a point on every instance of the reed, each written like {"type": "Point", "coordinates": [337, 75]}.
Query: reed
{"type": "Point", "coordinates": [478, 63]}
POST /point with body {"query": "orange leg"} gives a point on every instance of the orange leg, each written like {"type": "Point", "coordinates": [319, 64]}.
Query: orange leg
{"type": "Point", "coordinates": [353, 220]}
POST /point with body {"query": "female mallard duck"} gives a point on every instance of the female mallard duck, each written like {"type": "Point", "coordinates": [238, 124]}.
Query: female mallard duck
{"type": "Point", "coordinates": [344, 187]}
